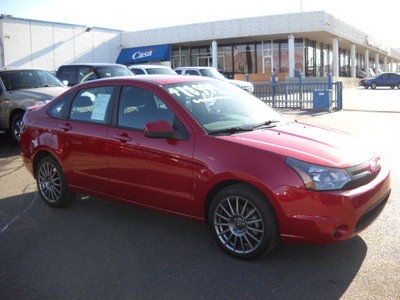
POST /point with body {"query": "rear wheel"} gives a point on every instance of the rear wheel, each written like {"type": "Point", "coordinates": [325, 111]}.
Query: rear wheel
{"type": "Point", "coordinates": [51, 183]}
{"type": "Point", "coordinates": [243, 222]}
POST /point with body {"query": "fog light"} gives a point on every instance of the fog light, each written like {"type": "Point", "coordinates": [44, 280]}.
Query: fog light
{"type": "Point", "coordinates": [340, 231]}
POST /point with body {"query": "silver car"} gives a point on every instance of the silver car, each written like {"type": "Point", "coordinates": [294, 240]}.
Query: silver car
{"type": "Point", "coordinates": [21, 89]}
{"type": "Point", "coordinates": [213, 73]}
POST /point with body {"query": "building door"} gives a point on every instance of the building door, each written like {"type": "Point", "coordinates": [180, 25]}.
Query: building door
{"type": "Point", "coordinates": [268, 65]}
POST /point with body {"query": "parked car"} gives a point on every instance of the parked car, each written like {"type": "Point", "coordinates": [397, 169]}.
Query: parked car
{"type": "Point", "coordinates": [21, 89]}
{"type": "Point", "coordinates": [214, 73]}
{"type": "Point", "coordinates": [203, 149]}
{"type": "Point", "coordinates": [77, 73]}
{"type": "Point", "coordinates": [384, 79]}
{"type": "Point", "coordinates": [151, 70]}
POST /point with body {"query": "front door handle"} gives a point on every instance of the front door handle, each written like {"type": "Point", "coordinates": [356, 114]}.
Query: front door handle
{"type": "Point", "coordinates": [65, 127]}
{"type": "Point", "coordinates": [122, 137]}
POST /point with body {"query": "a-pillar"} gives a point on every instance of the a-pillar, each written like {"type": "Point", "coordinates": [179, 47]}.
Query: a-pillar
{"type": "Point", "coordinates": [335, 51]}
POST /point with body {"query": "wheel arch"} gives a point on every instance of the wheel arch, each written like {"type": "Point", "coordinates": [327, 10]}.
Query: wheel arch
{"type": "Point", "coordinates": [13, 114]}
{"type": "Point", "coordinates": [223, 184]}
{"type": "Point", "coordinates": [39, 156]}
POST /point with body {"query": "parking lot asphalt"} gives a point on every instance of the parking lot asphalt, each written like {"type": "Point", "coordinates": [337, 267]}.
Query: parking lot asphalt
{"type": "Point", "coordinates": [104, 250]}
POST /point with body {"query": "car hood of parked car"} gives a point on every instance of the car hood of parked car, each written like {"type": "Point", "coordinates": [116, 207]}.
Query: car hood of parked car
{"type": "Point", "coordinates": [311, 143]}
{"type": "Point", "coordinates": [42, 93]}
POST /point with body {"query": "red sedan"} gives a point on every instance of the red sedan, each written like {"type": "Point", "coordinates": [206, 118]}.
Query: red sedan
{"type": "Point", "coordinates": [206, 150]}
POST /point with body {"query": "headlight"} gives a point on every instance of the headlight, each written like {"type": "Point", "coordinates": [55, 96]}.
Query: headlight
{"type": "Point", "coordinates": [319, 178]}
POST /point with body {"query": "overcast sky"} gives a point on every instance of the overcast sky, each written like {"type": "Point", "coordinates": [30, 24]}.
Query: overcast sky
{"type": "Point", "coordinates": [376, 18]}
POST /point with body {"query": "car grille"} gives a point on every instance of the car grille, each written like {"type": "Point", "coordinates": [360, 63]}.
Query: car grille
{"type": "Point", "coordinates": [371, 213]}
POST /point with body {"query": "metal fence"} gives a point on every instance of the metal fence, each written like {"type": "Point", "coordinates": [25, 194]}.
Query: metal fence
{"type": "Point", "coordinates": [299, 94]}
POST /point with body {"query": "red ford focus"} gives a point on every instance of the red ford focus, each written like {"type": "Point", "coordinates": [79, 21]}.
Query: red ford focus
{"type": "Point", "coordinates": [206, 150]}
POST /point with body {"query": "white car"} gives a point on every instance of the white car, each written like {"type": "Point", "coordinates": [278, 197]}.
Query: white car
{"type": "Point", "coordinates": [151, 69]}
{"type": "Point", "coordinates": [213, 73]}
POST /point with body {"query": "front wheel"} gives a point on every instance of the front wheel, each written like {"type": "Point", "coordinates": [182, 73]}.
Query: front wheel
{"type": "Point", "coordinates": [16, 126]}
{"type": "Point", "coordinates": [366, 87]}
{"type": "Point", "coordinates": [51, 183]}
{"type": "Point", "coordinates": [398, 85]}
{"type": "Point", "coordinates": [243, 222]}
{"type": "Point", "coordinates": [373, 85]}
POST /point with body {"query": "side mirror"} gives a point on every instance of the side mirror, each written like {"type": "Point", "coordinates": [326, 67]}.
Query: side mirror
{"type": "Point", "coordinates": [162, 130]}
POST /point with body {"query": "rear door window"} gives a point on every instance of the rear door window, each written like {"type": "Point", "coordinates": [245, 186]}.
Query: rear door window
{"type": "Point", "coordinates": [92, 105]}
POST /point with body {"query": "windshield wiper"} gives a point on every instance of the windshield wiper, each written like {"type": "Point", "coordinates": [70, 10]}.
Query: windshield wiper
{"type": "Point", "coordinates": [232, 130]}
{"type": "Point", "coordinates": [266, 123]}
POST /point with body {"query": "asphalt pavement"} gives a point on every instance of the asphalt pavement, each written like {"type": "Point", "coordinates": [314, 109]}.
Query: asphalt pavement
{"type": "Point", "coordinates": [96, 249]}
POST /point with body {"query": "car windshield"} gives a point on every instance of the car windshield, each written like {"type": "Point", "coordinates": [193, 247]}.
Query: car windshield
{"type": "Point", "coordinates": [219, 107]}
{"type": "Point", "coordinates": [161, 71]}
{"type": "Point", "coordinates": [211, 73]}
{"type": "Point", "coordinates": [113, 71]}
{"type": "Point", "coordinates": [28, 79]}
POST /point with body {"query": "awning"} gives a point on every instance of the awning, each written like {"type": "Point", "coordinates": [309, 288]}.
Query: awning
{"type": "Point", "coordinates": [144, 54]}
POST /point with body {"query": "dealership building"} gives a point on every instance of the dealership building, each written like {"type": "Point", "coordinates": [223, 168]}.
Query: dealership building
{"type": "Point", "coordinates": [314, 44]}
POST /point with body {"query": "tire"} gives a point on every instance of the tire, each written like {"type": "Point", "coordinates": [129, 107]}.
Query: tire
{"type": "Point", "coordinates": [398, 85]}
{"type": "Point", "coordinates": [392, 87]}
{"type": "Point", "coordinates": [366, 87]}
{"type": "Point", "coordinates": [373, 85]}
{"type": "Point", "coordinates": [51, 183]}
{"type": "Point", "coordinates": [243, 222]}
{"type": "Point", "coordinates": [16, 126]}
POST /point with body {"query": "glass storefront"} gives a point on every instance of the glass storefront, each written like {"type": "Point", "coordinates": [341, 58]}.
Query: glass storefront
{"type": "Point", "coordinates": [312, 58]}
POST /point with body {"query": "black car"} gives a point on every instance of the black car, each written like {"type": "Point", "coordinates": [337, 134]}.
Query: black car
{"type": "Point", "coordinates": [383, 79]}
{"type": "Point", "coordinates": [77, 73]}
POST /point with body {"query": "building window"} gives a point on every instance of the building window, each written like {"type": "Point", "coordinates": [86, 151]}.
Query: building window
{"type": "Point", "coordinates": [298, 56]}
{"type": "Point", "coordinates": [244, 59]}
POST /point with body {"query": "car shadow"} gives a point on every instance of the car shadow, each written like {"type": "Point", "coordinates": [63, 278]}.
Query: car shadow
{"type": "Point", "coordinates": [8, 147]}
{"type": "Point", "coordinates": [101, 249]}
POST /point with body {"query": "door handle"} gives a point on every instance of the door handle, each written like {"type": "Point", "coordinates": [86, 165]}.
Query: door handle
{"type": "Point", "coordinates": [65, 127]}
{"type": "Point", "coordinates": [122, 137]}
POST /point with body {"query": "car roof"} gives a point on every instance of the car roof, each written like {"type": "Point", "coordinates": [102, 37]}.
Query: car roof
{"type": "Point", "coordinates": [20, 69]}
{"type": "Point", "coordinates": [197, 68]}
{"type": "Point", "coordinates": [149, 79]}
{"type": "Point", "coordinates": [93, 64]}
{"type": "Point", "coordinates": [148, 66]}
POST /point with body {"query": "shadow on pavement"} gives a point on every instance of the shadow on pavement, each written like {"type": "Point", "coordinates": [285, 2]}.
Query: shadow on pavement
{"type": "Point", "coordinates": [104, 250]}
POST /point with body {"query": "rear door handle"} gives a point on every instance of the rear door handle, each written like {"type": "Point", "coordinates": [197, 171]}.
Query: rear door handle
{"type": "Point", "coordinates": [122, 137]}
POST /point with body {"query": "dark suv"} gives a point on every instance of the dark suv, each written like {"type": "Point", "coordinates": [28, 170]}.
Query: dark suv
{"type": "Point", "coordinates": [77, 73]}
{"type": "Point", "coordinates": [21, 89]}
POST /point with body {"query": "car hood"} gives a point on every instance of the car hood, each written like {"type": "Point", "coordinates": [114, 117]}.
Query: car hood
{"type": "Point", "coordinates": [306, 142]}
{"type": "Point", "coordinates": [239, 82]}
{"type": "Point", "coordinates": [43, 93]}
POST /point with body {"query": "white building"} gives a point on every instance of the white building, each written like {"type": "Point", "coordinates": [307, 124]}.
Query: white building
{"type": "Point", "coordinates": [313, 43]}
{"type": "Point", "coordinates": [47, 45]}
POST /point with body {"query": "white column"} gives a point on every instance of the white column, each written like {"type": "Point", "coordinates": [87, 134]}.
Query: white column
{"type": "Point", "coordinates": [377, 63]}
{"type": "Point", "coordinates": [353, 61]}
{"type": "Point", "coordinates": [385, 64]}
{"type": "Point", "coordinates": [291, 56]}
{"type": "Point", "coordinates": [335, 51]}
{"type": "Point", "coordinates": [366, 62]}
{"type": "Point", "coordinates": [214, 50]}
{"type": "Point", "coordinates": [392, 68]}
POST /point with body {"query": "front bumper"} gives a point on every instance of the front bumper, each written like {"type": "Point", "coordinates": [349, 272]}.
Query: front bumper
{"type": "Point", "coordinates": [327, 217]}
